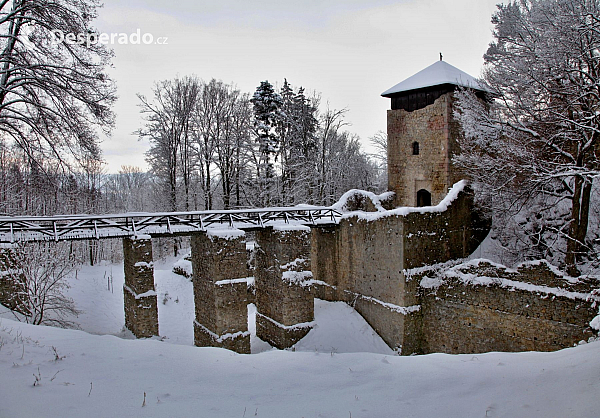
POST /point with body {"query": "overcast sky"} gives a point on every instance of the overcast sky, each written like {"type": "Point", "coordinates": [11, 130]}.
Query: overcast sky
{"type": "Point", "coordinates": [348, 50]}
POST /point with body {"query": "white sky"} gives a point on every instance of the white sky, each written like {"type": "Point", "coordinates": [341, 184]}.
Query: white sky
{"type": "Point", "coordinates": [349, 50]}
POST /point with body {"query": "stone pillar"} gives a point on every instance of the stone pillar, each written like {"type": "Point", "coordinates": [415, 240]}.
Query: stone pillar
{"type": "Point", "coordinates": [11, 278]}
{"type": "Point", "coordinates": [284, 299]}
{"type": "Point", "coordinates": [219, 264]}
{"type": "Point", "coordinates": [141, 310]}
{"type": "Point", "coordinates": [324, 262]}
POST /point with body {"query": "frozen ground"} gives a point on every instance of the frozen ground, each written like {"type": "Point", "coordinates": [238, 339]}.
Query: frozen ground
{"type": "Point", "coordinates": [341, 369]}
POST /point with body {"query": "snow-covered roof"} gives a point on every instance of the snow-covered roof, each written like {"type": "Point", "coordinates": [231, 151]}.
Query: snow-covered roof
{"type": "Point", "coordinates": [436, 74]}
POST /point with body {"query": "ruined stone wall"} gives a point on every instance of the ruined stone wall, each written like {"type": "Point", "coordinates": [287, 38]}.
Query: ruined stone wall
{"type": "Point", "coordinates": [437, 236]}
{"type": "Point", "coordinates": [324, 262]}
{"type": "Point", "coordinates": [362, 261]}
{"type": "Point", "coordinates": [354, 263]}
{"type": "Point", "coordinates": [370, 273]}
{"type": "Point", "coordinates": [478, 307]}
{"type": "Point", "coordinates": [434, 128]}
{"type": "Point", "coordinates": [380, 264]}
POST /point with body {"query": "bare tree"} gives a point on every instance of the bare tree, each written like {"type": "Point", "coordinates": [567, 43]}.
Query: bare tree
{"type": "Point", "coordinates": [348, 167]}
{"type": "Point", "coordinates": [332, 122]}
{"type": "Point", "coordinates": [53, 95]}
{"type": "Point", "coordinates": [223, 123]}
{"type": "Point", "coordinates": [233, 142]}
{"type": "Point", "coordinates": [41, 284]}
{"type": "Point", "coordinates": [169, 127]}
{"type": "Point", "coordinates": [379, 143]}
{"type": "Point", "coordinates": [536, 144]}
{"type": "Point", "coordinates": [131, 185]}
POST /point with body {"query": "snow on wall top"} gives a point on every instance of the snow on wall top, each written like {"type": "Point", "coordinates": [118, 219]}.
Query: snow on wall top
{"type": "Point", "coordinates": [444, 271]}
{"type": "Point", "coordinates": [436, 74]}
{"type": "Point", "coordinates": [225, 233]}
{"type": "Point", "coordinates": [403, 211]}
{"type": "Point", "coordinates": [290, 227]}
{"type": "Point", "coordinates": [343, 204]}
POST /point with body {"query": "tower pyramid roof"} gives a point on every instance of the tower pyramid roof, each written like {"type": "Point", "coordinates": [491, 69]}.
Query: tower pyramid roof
{"type": "Point", "coordinates": [436, 74]}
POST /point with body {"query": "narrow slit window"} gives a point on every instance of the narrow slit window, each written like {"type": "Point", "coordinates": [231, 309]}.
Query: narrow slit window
{"type": "Point", "coordinates": [415, 148]}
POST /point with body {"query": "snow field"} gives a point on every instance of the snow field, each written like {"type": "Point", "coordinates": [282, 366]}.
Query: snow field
{"type": "Point", "coordinates": [340, 369]}
{"type": "Point", "coordinates": [100, 376]}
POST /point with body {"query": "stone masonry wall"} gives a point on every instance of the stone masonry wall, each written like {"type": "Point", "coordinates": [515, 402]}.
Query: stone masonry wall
{"type": "Point", "coordinates": [371, 259]}
{"type": "Point", "coordinates": [220, 278]}
{"type": "Point", "coordinates": [324, 258]}
{"type": "Point", "coordinates": [141, 310]}
{"type": "Point", "coordinates": [380, 264]}
{"type": "Point", "coordinates": [284, 298]}
{"type": "Point", "coordinates": [362, 261]}
{"type": "Point", "coordinates": [437, 236]}
{"type": "Point", "coordinates": [477, 307]}
{"type": "Point", "coordinates": [435, 129]}
{"type": "Point", "coordinates": [370, 265]}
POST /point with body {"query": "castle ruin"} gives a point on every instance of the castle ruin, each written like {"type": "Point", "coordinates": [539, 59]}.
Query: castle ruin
{"type": "Point", "coordinates": [398, 259]}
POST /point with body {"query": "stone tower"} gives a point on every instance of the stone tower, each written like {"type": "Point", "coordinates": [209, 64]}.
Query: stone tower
{"type": "Point", "coordinates": [422, 134]}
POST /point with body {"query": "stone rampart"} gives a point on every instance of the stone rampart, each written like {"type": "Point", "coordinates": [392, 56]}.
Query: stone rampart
{"type": "Point", "coordinates": [12, 280]}
{"type": "Point", "coordinates": [362, 260]}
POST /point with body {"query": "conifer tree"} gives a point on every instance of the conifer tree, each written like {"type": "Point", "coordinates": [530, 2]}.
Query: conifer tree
{"type": "Point", "coordinates": [267, 109]}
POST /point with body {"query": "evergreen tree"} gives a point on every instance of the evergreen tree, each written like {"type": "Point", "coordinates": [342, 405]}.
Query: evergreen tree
{"type": "Point", "coordinates": [285, 130]}
{"type": "Point", "coordinates": [267, 110]}
{"type": "Point", "coordinates": [303, 149]}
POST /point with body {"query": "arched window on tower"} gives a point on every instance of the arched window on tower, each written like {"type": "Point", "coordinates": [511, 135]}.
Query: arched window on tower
{"type": "Point", "coordinates": [415, 148]}
{"type": "Point", "coordinates": [423, 198]}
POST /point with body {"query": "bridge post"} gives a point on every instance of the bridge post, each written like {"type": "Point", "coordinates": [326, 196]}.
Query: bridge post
{"type": "Point", "coordinates": [284, 299]}
{"type": "Point", "coordinates": [141, 310]}
{"type": "Point", "coordinates": [220, 271]}
{"type": "Point", "coordinates": [12, 281]}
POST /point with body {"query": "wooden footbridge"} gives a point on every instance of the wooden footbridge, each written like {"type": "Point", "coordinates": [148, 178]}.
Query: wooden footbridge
{"type": "Point", "coordinates": [78, 227]}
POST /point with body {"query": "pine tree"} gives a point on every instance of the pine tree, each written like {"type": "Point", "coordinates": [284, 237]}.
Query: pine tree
{"type": "Point", "coordinates": [304, 146]}
{"type": "Point", "coordinates": [267, 110]}
{"type": "Point", "coordinates": [285, 129]}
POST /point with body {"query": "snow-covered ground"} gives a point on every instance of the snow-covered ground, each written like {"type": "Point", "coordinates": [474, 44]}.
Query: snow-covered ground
{"type": "Point", "coordinates": [341, 369]}
{"type": "Point", "coordinates": [98, 293]}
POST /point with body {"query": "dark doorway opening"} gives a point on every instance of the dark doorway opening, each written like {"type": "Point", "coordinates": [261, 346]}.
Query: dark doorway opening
{"type": "Point", "coordinates": [423, 198]}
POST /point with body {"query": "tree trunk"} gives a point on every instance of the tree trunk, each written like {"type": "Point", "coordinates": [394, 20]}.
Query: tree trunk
{"type": "Point", "coordinates": [579, 224]}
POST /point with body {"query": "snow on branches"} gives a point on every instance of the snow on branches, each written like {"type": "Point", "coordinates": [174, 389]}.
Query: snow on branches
{"type": "Point", "coordinates": [534, 145]}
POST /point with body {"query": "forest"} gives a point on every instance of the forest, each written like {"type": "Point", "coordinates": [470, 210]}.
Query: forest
{"type": "Point", "coordinates": [212, 147]}
{"type": "Point", "coordinates": [531, 151]}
